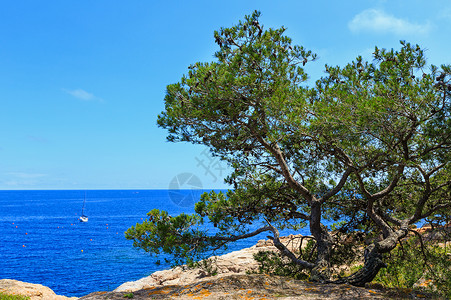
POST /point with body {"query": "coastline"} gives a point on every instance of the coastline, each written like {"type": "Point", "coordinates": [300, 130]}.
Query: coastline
{"type": "Point", "coordinates": [238, 262]}
{"type": "Point", "coordinates": [235, 277]}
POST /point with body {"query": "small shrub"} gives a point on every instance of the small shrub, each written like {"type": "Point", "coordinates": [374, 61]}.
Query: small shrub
{"type": "Point", "coordinates": [272, 263]}
{"type": "Point", "coordinates": [4, 296]}
{"type": "Point", "coordinates": [129, 295]}
{"type": "Point", "coordinates": [207, 265]}
{"type": "Point", "coordinates": [408, 265]}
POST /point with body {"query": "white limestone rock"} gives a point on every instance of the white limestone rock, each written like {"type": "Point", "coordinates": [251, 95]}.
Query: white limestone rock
{"type": "Point", "coordinates": [34, 291]}
{"type": "Point", "coordinates": [237, 262]}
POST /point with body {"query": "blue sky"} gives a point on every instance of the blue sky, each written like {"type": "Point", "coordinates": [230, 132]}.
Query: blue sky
{"type": "Point", "coordinates": [82, 82]}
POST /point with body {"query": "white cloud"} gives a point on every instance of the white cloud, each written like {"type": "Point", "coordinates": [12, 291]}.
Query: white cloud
{"type": "Point", "coordinates": [82, 95]}
{"type": "Point", "coordinates": [23, 175]}
{"type": "Point", "coordinates": [21, 179]}
{"type": "Point", "coordinates": [373, 20]}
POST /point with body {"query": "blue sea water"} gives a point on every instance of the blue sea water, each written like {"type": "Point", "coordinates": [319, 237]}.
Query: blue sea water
{"type": "Point", "coordinates": [42, 240]}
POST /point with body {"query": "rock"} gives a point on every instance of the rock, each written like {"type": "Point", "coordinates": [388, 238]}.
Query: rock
{"type": "Point", "coordinates": [237, 262]}
{"type": "Point", "coordinates": [34, 291]}
{"type": "Point", "coordinates": [253, 286]}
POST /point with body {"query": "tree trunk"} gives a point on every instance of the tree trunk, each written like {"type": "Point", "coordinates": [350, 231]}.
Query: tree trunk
{"type": "Point", "coordinates": [373, 263]}
{"type": "Point", "coordinates": [321, 271]}
{"type": "Point", "coordinates": [373, 259]}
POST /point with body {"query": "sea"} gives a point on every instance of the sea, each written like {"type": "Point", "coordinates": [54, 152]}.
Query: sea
{"type": "Point", "coordinates": [42, 240]}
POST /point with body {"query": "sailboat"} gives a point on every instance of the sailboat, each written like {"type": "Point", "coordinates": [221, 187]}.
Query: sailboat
{"type": "Point", "coordinates": [83, 218]}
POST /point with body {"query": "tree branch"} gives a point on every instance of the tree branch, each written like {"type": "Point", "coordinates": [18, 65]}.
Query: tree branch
{"type": "Point", "coordinates": [277, 153]}
{"type": "Point", "coordinates": [338, 187]}
{"type": "Point", "coordinates": [284, 250]}
{"type": "Point", "coordinates": [234, 238]}
{"type": "Point", "coordinates": [425, 196]}
{"type": "Point", "coordinates": [392, 184]}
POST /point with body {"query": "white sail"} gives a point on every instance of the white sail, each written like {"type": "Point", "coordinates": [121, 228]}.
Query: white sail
{"type": "Point", "coordinates": [83, 218]}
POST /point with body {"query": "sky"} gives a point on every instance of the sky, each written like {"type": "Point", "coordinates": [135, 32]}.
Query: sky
{"type": "Point", "coordinates": [82, 82]}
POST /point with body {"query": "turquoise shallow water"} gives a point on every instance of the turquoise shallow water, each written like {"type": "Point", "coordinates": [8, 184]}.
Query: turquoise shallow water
{"type": "Point", "coordinates": [42, 241]}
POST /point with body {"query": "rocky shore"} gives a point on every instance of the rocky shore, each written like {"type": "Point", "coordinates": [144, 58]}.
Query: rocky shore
{"type": "Point", "coordinates": [232, 279]}
{"type": "Point", "coordinates": [238, 262]}
{"type": "Point", "coordinates": [234, 263]}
